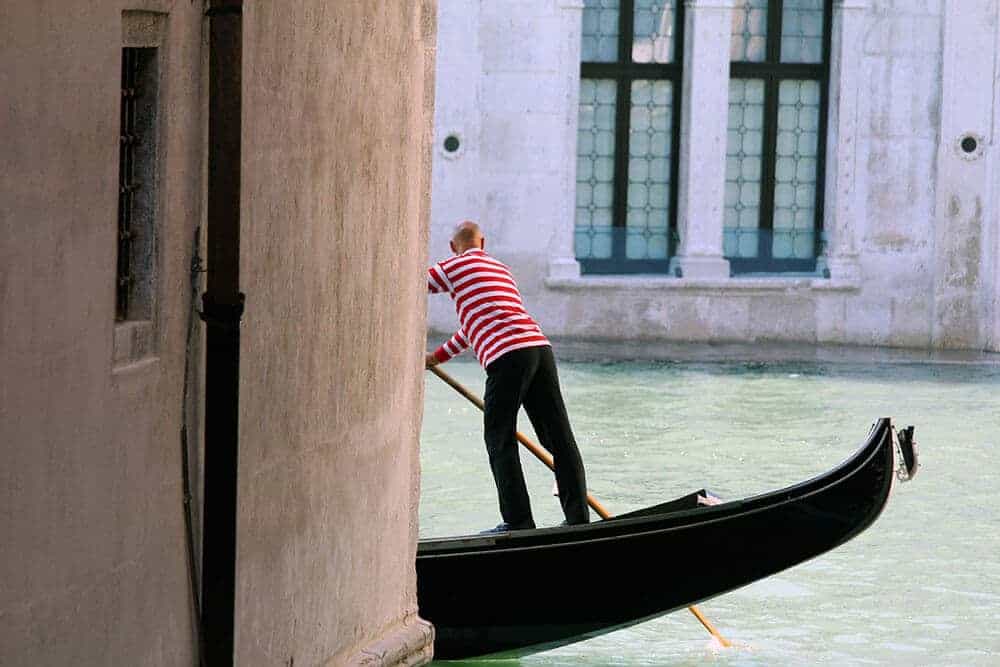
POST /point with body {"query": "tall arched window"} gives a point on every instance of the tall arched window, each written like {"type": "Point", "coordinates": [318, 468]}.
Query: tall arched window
{"type": "Point", "coordinates": [629, 124]}
{"type": "Point", "coordinates": [780, 63]}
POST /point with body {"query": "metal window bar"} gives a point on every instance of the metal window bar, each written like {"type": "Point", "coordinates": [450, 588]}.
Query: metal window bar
{"type": "Point", "coordinates": [127, 184]}
{"type": "Point", "coordinates": [773, 72]}
{"type": "Point", "coordinates": [624, 71]}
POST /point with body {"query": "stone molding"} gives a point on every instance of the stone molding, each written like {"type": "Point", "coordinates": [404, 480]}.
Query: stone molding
{"type": "Point", "coordinates": [711, 4]}
{"type": "Point", "coordinates": [590, 348]}
{"type": "Point", "coordinates": [564, 268]}
{"type": "Point", "coordinates": [718, 287]}
{"type": "Point", "coordinates": [852, 4]}
{"type": "Point", "coordinates": [409, 642]}
{"type": "Point", "coordinates": [714, 267]}
{"type": "Point", "coordinates": [570, 4]}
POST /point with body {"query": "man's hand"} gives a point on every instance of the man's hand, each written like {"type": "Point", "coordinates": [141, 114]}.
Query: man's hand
{"type": "Point", "coordinates": [430, 360]}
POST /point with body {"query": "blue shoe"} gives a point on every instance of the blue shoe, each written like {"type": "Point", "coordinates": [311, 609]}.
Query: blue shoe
{"type": "Point", "coordinates": [506, 528]}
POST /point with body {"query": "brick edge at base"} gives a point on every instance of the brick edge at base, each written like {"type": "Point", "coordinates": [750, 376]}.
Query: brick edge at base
{"type": "Point", "coordinates": [406, 644]}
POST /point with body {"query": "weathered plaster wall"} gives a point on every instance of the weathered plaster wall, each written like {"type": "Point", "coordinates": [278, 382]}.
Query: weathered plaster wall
{"type": "Point", "coordinates": [513, 82]}
{"type": "Point", "coordinates": [92, 556]}
{"type": "Point", "coordinates": [337, 120]}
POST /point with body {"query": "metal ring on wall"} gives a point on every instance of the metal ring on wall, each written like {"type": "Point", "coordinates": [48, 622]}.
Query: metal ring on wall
{"type": "Point", "coordinates": [452, 146]}
{"type": "Point", "coordinates": [969, 146]}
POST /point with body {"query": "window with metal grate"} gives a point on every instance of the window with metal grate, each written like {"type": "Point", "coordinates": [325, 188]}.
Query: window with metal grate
{"type": "Point", "coordinates": [137, 185]}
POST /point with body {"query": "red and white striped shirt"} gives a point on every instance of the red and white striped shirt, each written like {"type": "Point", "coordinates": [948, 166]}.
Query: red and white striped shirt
{"type": "Point", "coordinates": [493, 319]}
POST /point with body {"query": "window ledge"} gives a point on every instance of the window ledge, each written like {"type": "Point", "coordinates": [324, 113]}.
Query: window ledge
{"type": "Point", "coordinates": [735, 284]}
{"type": "Point", "coordinates": [134, 342]}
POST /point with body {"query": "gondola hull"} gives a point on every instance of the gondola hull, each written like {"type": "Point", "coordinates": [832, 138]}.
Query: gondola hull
{"type": "Point", "coordinates": [525, 591]}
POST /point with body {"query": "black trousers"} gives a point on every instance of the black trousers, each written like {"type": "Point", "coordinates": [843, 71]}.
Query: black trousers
{"type": "Point", "coordinates": [528, 377]}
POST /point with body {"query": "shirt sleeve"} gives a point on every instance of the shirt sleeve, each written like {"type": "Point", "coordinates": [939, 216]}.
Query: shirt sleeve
{"type": "Point", "coordinates": [452, 348]}
{"type": "Point", "coordinates": [437, 281]}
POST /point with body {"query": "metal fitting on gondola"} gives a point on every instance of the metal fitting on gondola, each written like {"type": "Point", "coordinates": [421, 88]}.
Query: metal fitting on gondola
{"type": "Point", "coordinates": [907, 448]}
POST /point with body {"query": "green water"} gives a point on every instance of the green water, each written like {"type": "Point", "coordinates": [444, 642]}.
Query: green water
{"type": "Point", "coordinates": [920, 587]}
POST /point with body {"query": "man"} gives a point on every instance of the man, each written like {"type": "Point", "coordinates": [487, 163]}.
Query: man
{"type": "Point", "coordinates": [520, 370]}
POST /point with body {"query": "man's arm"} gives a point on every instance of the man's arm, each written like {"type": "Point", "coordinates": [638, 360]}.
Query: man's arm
{"type": "Point", "coordinates": [451, 348]}
{"type": "Point", "coordinates": [437, 281]}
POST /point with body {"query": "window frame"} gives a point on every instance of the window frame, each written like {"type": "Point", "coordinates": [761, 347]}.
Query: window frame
{"type": "Point", "coordinates": [137, 315]}
{"type": "Point", "coordinates": [772, 71]}
{"type": "Point", "coordinates": [623, 72]}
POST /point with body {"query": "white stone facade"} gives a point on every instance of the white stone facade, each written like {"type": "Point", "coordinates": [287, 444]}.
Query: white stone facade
{"type": "Point", "coordinates": [910, 218]}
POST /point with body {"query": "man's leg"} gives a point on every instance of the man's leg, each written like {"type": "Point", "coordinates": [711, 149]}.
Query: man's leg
{"type": "Point", "coordinates": [544, 404]}
{"type": "Point", "coordinates": [506, 381]}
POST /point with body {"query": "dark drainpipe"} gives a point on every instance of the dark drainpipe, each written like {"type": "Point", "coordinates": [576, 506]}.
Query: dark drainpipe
{"type": "Point", "coordinates": [222, 311]}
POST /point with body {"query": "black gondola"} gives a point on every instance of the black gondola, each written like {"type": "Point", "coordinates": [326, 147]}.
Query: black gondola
{"type": "Point", "coordinates": [531, 590]}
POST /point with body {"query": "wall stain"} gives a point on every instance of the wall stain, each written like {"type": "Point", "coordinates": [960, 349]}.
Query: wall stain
{"type": "Point", "coordinates": [965, 253]}
{"type": "Point", "coordinates": [954, 207]}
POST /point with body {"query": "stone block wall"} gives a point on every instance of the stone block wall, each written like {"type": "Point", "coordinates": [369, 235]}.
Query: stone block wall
{"type": "Point", "coordinates": [907, 269]}
{"type": "Point", "coordinates": [337, 117]}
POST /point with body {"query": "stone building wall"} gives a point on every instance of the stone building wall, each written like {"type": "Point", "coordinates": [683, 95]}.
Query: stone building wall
{"type": "Point", "coordinates": [336, 179]}
{"type": "Point", "coordinates": [911, 221]}
{"type": "Point", "coordinates": [337, 119]}
{"type": "Point", "coordinates": [507, 80]}
{"type": "Point", "coordinates": [93, 565]}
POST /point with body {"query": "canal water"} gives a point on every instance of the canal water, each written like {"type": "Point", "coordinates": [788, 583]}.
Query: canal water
{"type": "Point", "coordinates": [919, 587]}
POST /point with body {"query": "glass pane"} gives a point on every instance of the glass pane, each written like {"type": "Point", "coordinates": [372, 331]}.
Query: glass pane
{"type": "Point", "coordinates": [795, 170]}
{"type": "Point", "coordinates": [802, 31]}
{"type": "Point", "coordinates": [600, 31]}
{"type": "Point", "coordinates": [749, 36]}
{"type": "Point", "coordinates": [595, 168]}
{"type": "Point", "coordinates": [653, 31]}
{"type": "Point", "coordinates": [648, 216]}
{"type": "Point", "coordinates": [744, 147]}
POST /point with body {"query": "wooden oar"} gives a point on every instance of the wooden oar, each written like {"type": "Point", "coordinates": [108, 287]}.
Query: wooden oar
{"type": "Point", "coordinates": [546, 458]}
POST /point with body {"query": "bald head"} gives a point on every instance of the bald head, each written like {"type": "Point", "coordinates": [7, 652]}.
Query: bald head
{"type": "Point", "coordinates": [467, 235]}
